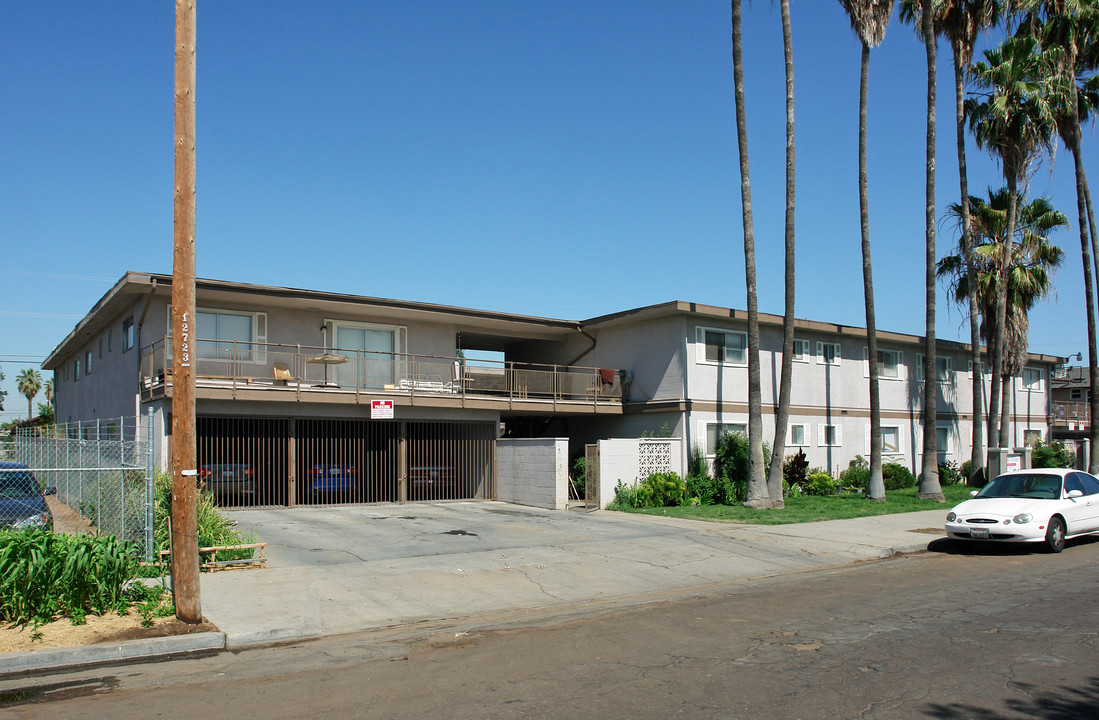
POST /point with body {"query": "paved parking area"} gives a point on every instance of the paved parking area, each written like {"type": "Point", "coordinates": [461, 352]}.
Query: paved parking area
{"type": "Point", "coordinates": [345, 569]}
{"type": "Point", "coordinates": [322, 536]}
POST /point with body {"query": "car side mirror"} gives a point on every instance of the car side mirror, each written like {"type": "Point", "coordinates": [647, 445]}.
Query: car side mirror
{"type": "Point", "coordinates": [973, 493]}
{"type": "Point", "coordinates": [1074, 494]}
{"type": "Point", "coordinates": [51, 490]}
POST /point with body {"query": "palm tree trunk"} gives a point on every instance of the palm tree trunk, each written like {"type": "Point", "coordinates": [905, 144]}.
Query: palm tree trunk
{"type": "Point", "coordinates": [876, 487]}
{"type": "Point", "coordinates": [996, 429]}
{"type": "Point", "coordinates": [1083, 210]}
{"type": "Point", "coordinates": [929, 488]}
{"type": "Point", "coordinates": [757, 480]}
{"type": "Point", "coordinates": [1007, 405]}
{"type": "Point", "coordinates": [778, 450]}
{"type": "Point", "coordinates": [976, 456]}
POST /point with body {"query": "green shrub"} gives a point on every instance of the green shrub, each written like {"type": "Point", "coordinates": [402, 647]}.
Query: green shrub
{"type": "Point", "coordinates": [1054, 455]}
{"type": "Point", "coordinates": [657, 490]}
{"type": "Point", "coordinates": [214, 529]}
{"type": "Point", "coordinates": [897, 476]}
{"type": "Point", "coordinates": [701, 489]}
{"type": "Point", "coordinates": [45, 574]}
{"type": "Point", "coordinates": [950, 473]}
{"type": "Point", "coordinates": [819, 483]}
{"type": "Point", "coordinates": [731, 458]}
{"type": "Point", "coordinates": [857, 474]}
{"type": "Point", "coordinates": [696, 462]}
{"type": "Point", "coordinates": [579, 471]}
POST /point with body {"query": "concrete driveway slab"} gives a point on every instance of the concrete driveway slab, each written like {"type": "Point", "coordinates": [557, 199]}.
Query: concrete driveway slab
{"type": "Point", "coordinates": [346, 569]}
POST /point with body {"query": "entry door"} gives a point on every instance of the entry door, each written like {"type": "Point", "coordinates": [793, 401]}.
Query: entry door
{"type": "Point", "coordinates": [591, 477]}
{"type": "Point", "coordinates": [373, 365]}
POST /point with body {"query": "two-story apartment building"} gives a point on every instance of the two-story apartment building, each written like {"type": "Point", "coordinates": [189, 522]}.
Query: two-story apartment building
{"type": "Point", "coordinates": [305, 396]}
{"type": "Point", "coordinates": [687, 374]}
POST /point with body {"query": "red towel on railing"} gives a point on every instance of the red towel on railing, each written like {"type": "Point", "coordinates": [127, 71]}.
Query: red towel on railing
{"type": "Point", "coordinates": [606, 375]}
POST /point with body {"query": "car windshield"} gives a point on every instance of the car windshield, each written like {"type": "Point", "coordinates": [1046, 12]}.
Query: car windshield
{"type": "Point", "coordinates": [17, 484]}
{"type": "Point", "coordinates": [1043, 487]}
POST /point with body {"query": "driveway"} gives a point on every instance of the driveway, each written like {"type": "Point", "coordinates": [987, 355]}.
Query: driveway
{"type": "Point", "coordinates": [345, 569]}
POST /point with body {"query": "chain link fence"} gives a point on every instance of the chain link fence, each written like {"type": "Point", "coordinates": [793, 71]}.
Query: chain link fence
{"type": "Point", "coordinates": [102, 472]}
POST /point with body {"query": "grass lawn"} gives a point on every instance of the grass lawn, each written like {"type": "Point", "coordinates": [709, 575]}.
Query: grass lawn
{"type": "Point", "coordinates": [810, 509]}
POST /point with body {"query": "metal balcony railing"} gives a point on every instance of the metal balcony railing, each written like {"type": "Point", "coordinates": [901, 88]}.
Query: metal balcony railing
{"type": "Point", "coordinates": [311, 369]}
{"type": "Point", "coordinates": [1070, 413]}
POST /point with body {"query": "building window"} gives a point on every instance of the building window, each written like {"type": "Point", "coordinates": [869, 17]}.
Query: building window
{"type": "Point", "coordinates": [714, 431]}
{"type": "Point", "coordinates": [375, 353]}
{"type": "Point", "coordinates": [798, 435]}
{"type": "Point", "coordinates": [942, 368]}
{"type": "Point", "coordinates": [110, 340]}
{"type": "Point", "coordinates": [971, 369]}
{"type": "Point", "coordinates": [228, 335]}
{"type": "Point", "coordinates": [1032, 437]}
{"type": "Point", "coordinates": [829, 353]}
{"type": "Point", "coordinates": [801, 350]}
{"type": "Point", "coordinates": [127, 334]}
{"type": "Point", "coordinates": [889, 363]}
{"type": "Point", "coordinates": [1076, 394]}
{"type": "Point", "coordinates": [829, 436]}
{"type": "Point", "coordinates": [76, 371]}
{"type": "Point", "coordinates": [942, 440]}
{"type": "Point", "coordinates": [723, 346]}
{"type": "Point", "coordinates": [1032, 379]}
{"type": "Point", "coordinates": [100, 348]}
{"type": "Point", "coordinates": [88, 362]}
{"type": "Point", "coordinates": [891, 442]}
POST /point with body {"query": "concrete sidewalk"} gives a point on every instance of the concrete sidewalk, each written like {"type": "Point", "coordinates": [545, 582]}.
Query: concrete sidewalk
{"type": "Point", "coordinates": [344, 570]}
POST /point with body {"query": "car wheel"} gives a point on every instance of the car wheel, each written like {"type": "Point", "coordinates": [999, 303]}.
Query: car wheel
{"type": "Point", "coordinates": [1055, 535]}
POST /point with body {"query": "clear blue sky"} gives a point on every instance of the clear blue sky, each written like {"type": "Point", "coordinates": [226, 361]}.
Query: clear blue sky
{"type": "Point", "coordinates": [563, 159]}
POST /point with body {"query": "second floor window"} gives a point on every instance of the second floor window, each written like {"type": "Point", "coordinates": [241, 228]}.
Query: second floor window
{"type": "Point", "coordinates": [1032, 379]}
{"type": "Point", "coordinates": [723, 346]}
{"type": "Point", "coordinates": [829, 353]}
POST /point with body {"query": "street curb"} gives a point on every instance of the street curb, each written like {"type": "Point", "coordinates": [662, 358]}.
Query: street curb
{"type": "Point", "coordinates": [107, 653]}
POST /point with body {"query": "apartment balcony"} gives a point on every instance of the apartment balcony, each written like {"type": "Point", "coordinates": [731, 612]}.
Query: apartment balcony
{"type": "Point", "coordinates": [1073, 415]}
{"type": "Point", "coordinates": [308, 374]}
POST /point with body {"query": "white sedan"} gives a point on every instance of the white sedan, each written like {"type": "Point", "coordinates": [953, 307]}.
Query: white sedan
{"type": "Point", "coordinates": [1046, 505]}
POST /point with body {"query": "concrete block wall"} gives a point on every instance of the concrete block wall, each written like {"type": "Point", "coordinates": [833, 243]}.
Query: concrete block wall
{"type": "Point", "coordinates": [533, 471]}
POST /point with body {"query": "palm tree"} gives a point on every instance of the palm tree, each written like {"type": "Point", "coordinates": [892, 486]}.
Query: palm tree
{"type": "Point", "coordinates": [1013, 120]}
{"type": "Point", "coordinates": [1030, 265]}
{"type": "Point", "coordinates": [869, 19]}
{"type": "Point", "coordinates": [774, 479]}
{"type": "Point", "coordinates": [1030, 260]}
{"type": "Point", "coordinates": [47, 388]}
{"type": "Point", "coordinates": [1072, 26]}
{"type": "Point", "coordinates": [961, 21]}
{"type": "Point", "coordinates": [28, 382]}
{"type": "Point", "coordinates": [929, 488]}
{"type": "Point", "coordinates": [756, 495]}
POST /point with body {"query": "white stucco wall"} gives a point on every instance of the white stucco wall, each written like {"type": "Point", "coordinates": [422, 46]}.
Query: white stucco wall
{"type": "Point", "coordinates": [533, 471]}
{"type": "Point", "coordinates": [620, 460]}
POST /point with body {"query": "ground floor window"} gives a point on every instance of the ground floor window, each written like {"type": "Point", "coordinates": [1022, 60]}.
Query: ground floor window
{"type": "Point", "coordinates": [714, 431]}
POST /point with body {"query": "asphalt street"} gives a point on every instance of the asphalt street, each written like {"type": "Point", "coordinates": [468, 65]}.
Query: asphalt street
{"type": "Point", "coordinates": [994, 632]}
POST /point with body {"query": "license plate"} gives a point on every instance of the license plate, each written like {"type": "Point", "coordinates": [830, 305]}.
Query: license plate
{"type": "Point", "coordinates": [979, 533]}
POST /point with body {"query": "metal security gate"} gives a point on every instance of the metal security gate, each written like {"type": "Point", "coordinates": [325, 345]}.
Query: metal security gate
{"type": "Point", "coordinates": [451, 461]}
{"type": "Point", "coordinates": [243, 461]}
{"type": "Point", "coordinates": [252, 462]}
{"type": "Point", "coordinates": [591, 477]}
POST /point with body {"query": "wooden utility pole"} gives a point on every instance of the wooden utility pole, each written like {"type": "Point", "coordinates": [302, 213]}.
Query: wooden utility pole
{"type": "Point", "coordinates": [185, 561]}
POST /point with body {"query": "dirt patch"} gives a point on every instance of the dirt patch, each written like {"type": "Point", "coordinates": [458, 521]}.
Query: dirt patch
{"type": "Point", "coordinates": [98, 629]}
{"type": "Point", "coordinates": [69, 521]}
{"type": "Point", "coordinates": [931, 531]}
